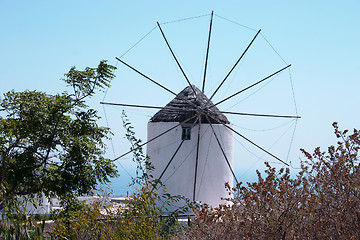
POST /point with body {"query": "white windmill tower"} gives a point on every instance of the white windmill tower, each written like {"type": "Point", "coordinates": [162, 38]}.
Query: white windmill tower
{"type": "Point", "coordinates": [190, 141]}
{"type": "Point", "coordinates": [195, 159]}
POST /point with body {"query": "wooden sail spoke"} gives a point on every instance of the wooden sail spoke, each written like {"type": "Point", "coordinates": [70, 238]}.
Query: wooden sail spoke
{"type": "Point", "coordinates": [227, 75]}
{"type": "Point", "coordinates": [207, 52]}
{"type": "Point", "coordinates": [175, 58]}
{"type": "Point", "coordinates": [145, 76]}
{"type": "Point", "coordinates": [256, 145]}
{"type": "Point", "coordinates": [141, 145]}
{"type": "Point", "coordinates": [222, 150]}
{"type": "Point", "coordinates": [247, 88]}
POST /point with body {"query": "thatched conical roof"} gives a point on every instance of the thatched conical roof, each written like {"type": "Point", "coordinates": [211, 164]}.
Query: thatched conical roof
{"type": "Point", "coordinates": [186, 105]}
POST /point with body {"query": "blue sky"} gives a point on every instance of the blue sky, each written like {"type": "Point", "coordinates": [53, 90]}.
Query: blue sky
{"type": "Point", "coordinates": [41, 40]}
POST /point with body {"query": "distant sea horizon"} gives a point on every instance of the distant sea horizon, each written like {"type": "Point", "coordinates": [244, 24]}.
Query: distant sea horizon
{"type": "Point", "coordinates": [120, 186]}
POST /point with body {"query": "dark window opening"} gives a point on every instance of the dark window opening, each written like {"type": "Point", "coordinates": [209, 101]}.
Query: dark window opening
{"type": "Point", "coordinates": [186, 133]}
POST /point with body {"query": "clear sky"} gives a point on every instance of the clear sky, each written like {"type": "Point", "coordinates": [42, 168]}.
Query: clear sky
{"type": "Point", "coordinates": [41, 40]}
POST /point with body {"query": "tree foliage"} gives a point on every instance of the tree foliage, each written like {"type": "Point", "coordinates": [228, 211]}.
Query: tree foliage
{"type": "Point", "coordinates": [140, 217]}
{"type": "Point", "coordinates": [52, 144]}
{"type": "Point", "coordinates": [321, 202]}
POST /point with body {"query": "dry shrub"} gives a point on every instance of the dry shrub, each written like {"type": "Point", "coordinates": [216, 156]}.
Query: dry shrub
{"type": "Point", "coordinates": [321, 202]}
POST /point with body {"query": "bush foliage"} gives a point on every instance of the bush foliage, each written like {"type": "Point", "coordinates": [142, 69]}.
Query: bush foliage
{"type": "Point", "coordinates": [51, 145]}
{"type": "Point", "coordinates": [140, 217]}
{"type": "Point", "coordinates": [321, 202]}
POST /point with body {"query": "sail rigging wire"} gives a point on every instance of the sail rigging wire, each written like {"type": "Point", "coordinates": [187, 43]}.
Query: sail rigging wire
{"type": "Point", "coordinates": [197, 159]}
{"type": "Point", "coordinates": [186, 158]}
{"type": "Point", "coordinates": [141, 145]}
{"type": "Point", "coordinates": [273, 49]}
{"type": "Point", "coordinates": [112, 143]}
{"type": "Point", "coordinates": [283, 134]}
{"type": "Point", "coordinates": [291, 141]}
{"type": "Point", "coordinates": [266, 129]}
{"type": "Point", "coordinates": [145, 76]}
{"type": "Point", "coordinates": [293, 123]}
{"type": "Point", "coordinates": [204, 77]}
{"type": "Point", "coordinates": [206, 161]}
{"type": "Point", "coordinates": [107, 89]}
{"type": "Point", "coordinates": [234, 77]}
{"type": "Point", "coordinates": [247, 149]}
{"type": "Point", "coordinates": [260, 115]}
{"type": "Point", "coordinates": [269, 76]}
{"type": "Point", "coordinates": [262, 35]}
{"type": "Point", "coordinates": [234, 66]}
{"type": "Point", "coordinates": [184, 19]}
{"type": "Point", "coordinates": [171, 159]}
{"type": "Point", "coordinates": [176, 151]}
{"type": "Point", "coordinates": [296, 111]}
{"type": "Point", "coordinates": [108, 126]}
{"type": "Point", "coordinates": [146, 113]}
{"type": "Point", "coordinates": [175, 58]}
{"type": "Point", "coordinates": [222, 150]}
{"type": "Point", "coordinates": [293, 92]}
{"type": "Point", "coordinates": [191, 110]}
{"type": "Point", "coordinates": [175, 141]}
{"type": "Point", "coordinates": [253, 143]}
{"type": "Point", "coordinates": [158, 84]}
{"type": "Point", "coordinates": [239, 24]}
{"type": "Point", "coordinates": [253, 93]}
{"type": "Point", "coordinates": [176, 169]}
{"type": "Point", "coordinates": [258, 158]}
{"type": "Point", "coordinates": [140, 40]}
{"type": "Point", "coordinates": [273, 144]}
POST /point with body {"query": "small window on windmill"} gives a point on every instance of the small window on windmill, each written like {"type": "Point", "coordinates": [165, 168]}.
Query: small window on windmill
{"type": "Point", "coordinates": [186, 133]}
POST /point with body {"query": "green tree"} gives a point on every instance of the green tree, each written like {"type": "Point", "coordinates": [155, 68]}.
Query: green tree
{"type": "Point", "coordinates": [52, 144]}
{"type": "Point", "coordinates": [139, 218]}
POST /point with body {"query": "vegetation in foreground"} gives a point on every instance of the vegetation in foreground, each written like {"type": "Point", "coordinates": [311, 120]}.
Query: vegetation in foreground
{"type": "Point", "coordinates": [321, 202]}
{"type": "Point", "coordinates": [140, 218]}
{"type": "Point", "coordinates": [51, 145]}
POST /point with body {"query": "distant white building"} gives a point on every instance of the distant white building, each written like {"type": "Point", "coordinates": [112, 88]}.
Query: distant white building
{"type": "Point", "coordinates": [39, 205]}
{"type": "Point", "coordinates": [43, 206]}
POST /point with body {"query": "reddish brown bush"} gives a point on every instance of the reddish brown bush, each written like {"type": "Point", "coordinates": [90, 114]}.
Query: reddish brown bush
{"type": "Point", "coordinates": [321, 202]}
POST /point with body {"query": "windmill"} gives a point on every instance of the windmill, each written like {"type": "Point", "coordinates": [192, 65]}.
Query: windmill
{"type": "Point", "coordinates": [190, 141]}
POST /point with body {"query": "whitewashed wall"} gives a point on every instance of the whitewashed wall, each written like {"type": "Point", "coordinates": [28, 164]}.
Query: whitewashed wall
{"type": "Point", "coordinates": [213, 171]}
